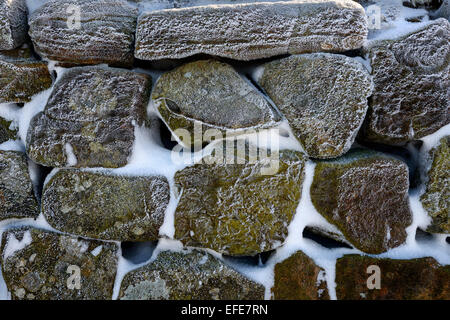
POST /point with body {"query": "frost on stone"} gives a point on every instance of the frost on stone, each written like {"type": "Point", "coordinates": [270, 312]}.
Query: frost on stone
{"type": "Point", "coordinates": [45, 269]}
{"type": "Point", "coordinates": [17, 199]}
{"type": "Point", "coordinates": [234, 209]}
{"type": "Point", "coordinates": [414, 279]}
{"type": "Point", "coordinates": [251, 31]}
{"type": "Point", "coordinates": [104, 32]}
{"type": "Point", "coordinates": [436, 199]}
{"type": "Point", "coordinates": [93, 109]}
{"type": "Point", "coordinates": [324, 98]}
{"type": "Point", "coordinates": [365, 195]}
{"type": "Point", "coordinates": [212, 94]}
{"type": "Point", "coordinates": [299, 278]}
{"type": "Point", "coordinates": [107, 207]}
{"type": "Point", "coordinates": [411, 76]}
{"type": "Point", "coordinates": [6, 131]}
{"type": "Point", "coordinates": [188, 275]}
{"type": "Point", "coordinates": [13, 23]}
{"type": "Point", "coordinates": [21, 76]}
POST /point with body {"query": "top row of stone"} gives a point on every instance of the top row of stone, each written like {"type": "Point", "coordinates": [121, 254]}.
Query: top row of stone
{"type": "Point", "coordinates": [85, 32]}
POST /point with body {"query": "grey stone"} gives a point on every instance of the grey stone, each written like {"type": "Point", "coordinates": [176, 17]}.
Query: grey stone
{"type": "Point", "coordinates": [103, 206]}
{"type": "Point", "coordinates": [13, 23]}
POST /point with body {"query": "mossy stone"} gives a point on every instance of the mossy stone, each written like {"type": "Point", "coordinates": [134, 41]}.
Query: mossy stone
{"type": "Point", "coordinates": [45, 266]}
{"type": "Point", "coordinates": [365, 194]}
{"type": "Point", "coordinates": [436, 199]}
{"type": "Point", "coordinates": [188, 275]}
{"type": "Point", "coordinates": [5, 131]}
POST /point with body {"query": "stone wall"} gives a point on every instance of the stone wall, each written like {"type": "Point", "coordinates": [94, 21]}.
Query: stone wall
{"type": "Point", "coordinates": [165, 149]}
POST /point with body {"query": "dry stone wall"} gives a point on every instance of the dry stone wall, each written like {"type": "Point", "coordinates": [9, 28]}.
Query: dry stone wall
{"type": "Point", "coordinates": [178, 149]}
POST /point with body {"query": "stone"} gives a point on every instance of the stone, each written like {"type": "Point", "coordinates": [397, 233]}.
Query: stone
{"type": "Point", "coordinates": [211, 94]}
{"type": "Point", "coordinates": [252, 30]}
{"type": "Point", "coordinates": [188, 275]}
{"type": "Point", "coordinates": [443, 11]}
{"type": "Point", "coordinates": [17, 198]}
{"type": "Point", "coordinates": [13, 23]}
{"type": "Point", "coordinates": [414, 279]}
{"type": "Point", "coordinates": [22, 76]}
{"type": "Point", "coordinates": [90, 118]}
{"type": "Point", "coordinates": [235, 208]}
{"type": "Point", "coordinates": [365, 195]}
{"type": "Point", "coordinates": [299, 278]}
{"type": "Point", "coordinates": [107, 207]}
{"type": "Point", "coordinates": [411, 77]}
{"type": "Point", "coordinates": [43, 265]}
{"type": "Point", "coordinates": [323, 96]}
{"type": "Point", "coordinates": [6, 131]}
{"type": "Point", "coordinates": [436, 198]}
{"type": "Point", "coordinates": [85, 32]}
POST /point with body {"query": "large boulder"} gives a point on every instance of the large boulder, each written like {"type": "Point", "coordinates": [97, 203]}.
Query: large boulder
{"type": "Point", "coordinates": [234, 207]}
{"type": "Point", "coordinates": [90, 118]}
{"type": "Point", "coordinates": [323, 96]}
{"type": "Point", "coordinates": [43, 265]}
{"type": "Point", "coordinates": [13, 23]}
{"type": "Point", "coordinates": [17, 198]}
{"type": "Point", "coordinates": [22, 76]}
{"type": "Point", "coordinates": [252, 30]}
{"type": "Point", "coordinates": [107, 207]}
{"type": "Point", "coordinates": [188, 275]}
{"type": "Point", "coordinates": [84, 31]}
{"type": "Point", "coordinates": [415, 279]}
{"type": "Point", "coordinates": [299, 278]}
{"type": "Point", "coordinates": [411, 76]}
{"type": "Point", "coordinates": [211, 94]}
{"type": "Point", "coordinates": [365, 195]}
{"type": "Point", "coordinates": [436, 199]}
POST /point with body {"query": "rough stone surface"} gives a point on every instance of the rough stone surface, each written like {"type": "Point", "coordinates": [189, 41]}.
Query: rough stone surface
{"type": "Point", "coordinates": [105, 33]}
{"type": "Point", "coordinates": [107, 207]}
{"type": "Point", "coordinates": [89, 116]}
{"type": "Point", "coordinates": [6, 132]}
{"type": "Point", "coordinates": [17, 199]}
{"type": "Point", "coordinates": [188, 275]}
{"type": "Point", "coordinates": [13, 23]}
{"type": "Point", "coordinates": [411, 75]}
{"type": "Point", "coordinates": [251, 31]}
{"type": "Point", "coordinates": [324, 98]}
{"type": "Point", "coordinates": [365, 195]}
{"type": "Point", "coordinates": [42, 267]}
{"type": "Point", "coordinates": [233, 208]}
{"type": "Point", "coordinates": [22, 76]}
{"type": "Point", "coordinates": [212, 94]}
{"type": "Point", "coordinates": [436, 199]}
{"type": "Point", "coordinates": [415, 279]}
{"type": "Point", "coordinates": [299, 278]}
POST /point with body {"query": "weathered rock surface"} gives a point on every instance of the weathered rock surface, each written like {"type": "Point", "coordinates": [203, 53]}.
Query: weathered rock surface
{"type": "Point", "coordinates": [365, 194]}
{"type": "Point", "coordinates": [324, 98]}
{"type": "Point", "coordinates": [411, 76]}
{"type": "Point", "coordinates": [251, 31]}
{"type": "Point", "coordinates": [13, 23]}
{"type": "Point", "coordinates": [436, 199]}
{"type": "Point", "coordinates": [212, 94]}
{"type": "Point", "coordinates": [22, 76]}
{"type": "Point", "coordinates": [107, 207]}
{"type": "Point", "coordinates": [85, 32]}
{"type": "Point", "coordinates": [43, 265]}
{"type": "Point", "coordinates": [415, 279]}
{"type": "Point", "coordinates": [234, 208]}
{"type": "Point", "coordinates": [89, 118]}
{"type": "Point", "coordinates": [17, 199]}
{"type": "Point", "coordinates": [188, 275]}
{"type": "Point", "coordinates": [6, 133]}
{"type": "Point", "coordinates": [299, 278]}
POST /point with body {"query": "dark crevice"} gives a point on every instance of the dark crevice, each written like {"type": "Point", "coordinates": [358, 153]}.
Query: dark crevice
{"type": "Point", "coordinates": [41, 174]}
{"type": "Point", "coordinates": [423, 235]}
{"type": "Point", "coordinates": [257, 260]}
{"type": "Point", "coordinates": [167, 141]}
{"type": "Point", "coordinates": [323, 240]}
{"type": "Point", "coordinates": [431, 5]}
{"type": "Point", "coordinates": [447, 240]}
{"type": "Point", "coordinates": [138, 252]}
